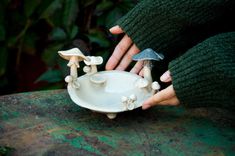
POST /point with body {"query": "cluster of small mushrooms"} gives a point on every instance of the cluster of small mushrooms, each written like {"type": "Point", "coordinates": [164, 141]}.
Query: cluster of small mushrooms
{"type": "Point", "coordinates": [74, 56]}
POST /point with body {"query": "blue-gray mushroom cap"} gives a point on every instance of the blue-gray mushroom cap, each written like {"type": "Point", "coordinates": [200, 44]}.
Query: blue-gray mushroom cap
{"type": "Point", "coordinates": [148, 54]}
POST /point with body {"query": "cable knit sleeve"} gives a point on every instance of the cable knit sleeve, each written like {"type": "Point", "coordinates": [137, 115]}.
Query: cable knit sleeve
{"type": "Point", "coordinates": [205, 74]}
{"type": "Point", "coordinates": [175, 25]}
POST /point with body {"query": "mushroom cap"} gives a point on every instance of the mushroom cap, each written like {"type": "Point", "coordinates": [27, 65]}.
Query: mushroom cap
{"type": "Point", "coordinates": [93, 60]}
{"type": "Point", "coordinates": [155, 85]}
{"type": "Point", "coordinates": [86, 69]}
{"type": "Point", "coordinates": [133, 97]}
{"type": "Point", "coordinates": [67, 54]}
{"type": "Point", "coordinates": [148, 54]}
{"type": "Point", "coordinates": [124, 99]}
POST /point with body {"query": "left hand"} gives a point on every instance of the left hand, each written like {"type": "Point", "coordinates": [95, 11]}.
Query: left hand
{"type": "Point", "coordinates": [166, 96]}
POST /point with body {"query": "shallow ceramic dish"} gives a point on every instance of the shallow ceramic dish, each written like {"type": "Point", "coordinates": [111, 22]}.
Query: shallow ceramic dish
{"type": "Point", "coordinates": [108, 92]}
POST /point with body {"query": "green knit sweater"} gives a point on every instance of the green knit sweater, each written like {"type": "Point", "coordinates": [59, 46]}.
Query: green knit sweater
{"type": "Point", "coordinates": [197, 39]}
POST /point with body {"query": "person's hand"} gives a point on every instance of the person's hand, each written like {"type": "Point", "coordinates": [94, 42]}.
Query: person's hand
{"type": "Point", "coordinates": [164, 97]}
{"type": "Point", "coordinates": [123, 52]}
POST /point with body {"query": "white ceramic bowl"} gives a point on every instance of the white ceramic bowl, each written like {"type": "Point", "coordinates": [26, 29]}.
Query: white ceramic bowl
{"type": "Point", "coordinates": [103, 91]}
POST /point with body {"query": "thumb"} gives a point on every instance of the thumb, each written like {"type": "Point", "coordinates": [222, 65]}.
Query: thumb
{"type": "Point", "coordinates": [116, 30]}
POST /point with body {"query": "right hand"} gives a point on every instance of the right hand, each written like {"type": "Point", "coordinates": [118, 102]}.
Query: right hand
{"type": "Point", "coordinates": [123, 52]}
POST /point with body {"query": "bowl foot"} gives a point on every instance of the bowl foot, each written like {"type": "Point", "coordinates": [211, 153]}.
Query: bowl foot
{"type": "Point", "coordinates": [111, 115]}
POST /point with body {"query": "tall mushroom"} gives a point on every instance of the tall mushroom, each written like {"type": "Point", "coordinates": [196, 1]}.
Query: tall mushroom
{"type": "Point", "coordinates": [74, 56]}
{"type": "Point", "coordinates": [147, 56]}
{"type": "Point", "coordinates": [93, 61]}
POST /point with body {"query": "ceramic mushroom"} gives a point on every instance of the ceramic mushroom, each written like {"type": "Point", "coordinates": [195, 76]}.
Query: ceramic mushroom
{"type": "Point", "coordinates": [74, 56]}
{"type": "Point", "coordinates": [92, 62]}
{"type": "Point", "coordinates": [155, 87]}
{"type": "Point", "coordinates": [147, 56]}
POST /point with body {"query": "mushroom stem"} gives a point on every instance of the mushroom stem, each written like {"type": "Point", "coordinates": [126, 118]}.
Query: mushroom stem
{"type": "Point", "coordinates": [93, 69]}
{"type": "Point", "coordinates": [73, 62]}
{"type": "Point", "coordinates": [147, 71]}
{"type": "Point", "coordinates": [73, 71]}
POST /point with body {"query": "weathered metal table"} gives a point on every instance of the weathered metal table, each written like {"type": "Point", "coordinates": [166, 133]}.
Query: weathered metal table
{"type": "Point", "coordinates": [49, 123]}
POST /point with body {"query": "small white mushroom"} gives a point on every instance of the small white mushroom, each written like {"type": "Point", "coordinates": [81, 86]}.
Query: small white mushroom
{"type": "Point", "coordinates": [87, 69]}
{"type": "Point", "coordinates": [75, 84]}
{"type": "Point", "coordinates": [68, 79]}
{"type": "Point", "coordinates": [93, 61]}
{"type": "Point", "coordinates": [155, 87]}
{"type": "Point", "coordinates": [133, 98]}
{"type": "Point", "coordinates": [124, 99]}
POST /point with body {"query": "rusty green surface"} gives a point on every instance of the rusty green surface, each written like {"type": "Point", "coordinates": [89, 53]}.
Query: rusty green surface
{"type": "Point", "coordinates": [49, 123]}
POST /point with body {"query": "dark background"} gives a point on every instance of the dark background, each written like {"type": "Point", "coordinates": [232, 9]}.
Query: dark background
{"type": "Point", "coordinates": [32, 31]}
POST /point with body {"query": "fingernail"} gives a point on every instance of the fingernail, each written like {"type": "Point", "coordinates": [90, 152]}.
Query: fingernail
{"type": "Point", "coordinates": [165, 76]}
{"type": "Point", "coordinates": [145, 106]}
{"type": "Point", "coordinates": [111, 29]}
{"type": "Point", "coordinates": [114, 27]}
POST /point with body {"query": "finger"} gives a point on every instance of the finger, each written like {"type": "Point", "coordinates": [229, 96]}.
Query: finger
{"type": "Point", "coordinates": [126, 60]}
{"type": "Point", "coordinates": [141, 73]}
{"type": "Point", "coordinates": [119, 51]}
{"type": "Point", "coordinates": [116, 30]}
{"type": "Point", "coordinates": [137, 68]}
{"type": "Point", "coordinates": [170, 102]}
{"type": "Point", "coordinates": [166, 77]}
{"type": "Point", "coordinates": [163, 95]}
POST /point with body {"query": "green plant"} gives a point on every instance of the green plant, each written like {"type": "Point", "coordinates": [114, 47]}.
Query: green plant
{"type": "Point", "coordinates": [41, 28]}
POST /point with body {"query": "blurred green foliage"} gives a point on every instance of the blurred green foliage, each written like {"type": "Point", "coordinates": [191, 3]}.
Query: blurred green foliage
{"type": "Point", "coordinates": [42, 27]}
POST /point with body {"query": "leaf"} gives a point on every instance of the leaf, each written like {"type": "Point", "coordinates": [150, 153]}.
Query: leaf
{"type": "Point", "coordinates": [51, 76]}
{"type": "Point", "coordinates": [50, 54]}
{"type": "Point", "coordinates": [88, 2]}
{"type": "Point", "coordinates": [104, 5]}
{"type": "Point", "coordinates": [74, 32]}
{"type": "Point", "coordinates": [96, 36]}
{"type": "Point", "coordinates": [113, 16]}
{"type": "Point", "coordinates": [69, 13]}
{"type": "Point", "coordinates": [29, 46]}
{"type": "Point", "coordinates": [49, 7]}
{"type": "Point", "coordinates": [30, 6]}
{"type": "Point", "coordinates": [3, 60]}
{"type": "Point", "coordinates": [58, 34]}
{"type": "Point", "coordinates": [63, 66]}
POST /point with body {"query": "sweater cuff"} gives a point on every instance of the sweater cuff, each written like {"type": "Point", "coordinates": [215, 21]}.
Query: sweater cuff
{"type": "Point", "coordinates": [205, 74]}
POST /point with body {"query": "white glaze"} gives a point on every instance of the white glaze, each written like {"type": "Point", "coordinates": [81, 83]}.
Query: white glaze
{"type": "Point", "coordinates": [108, 92]}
